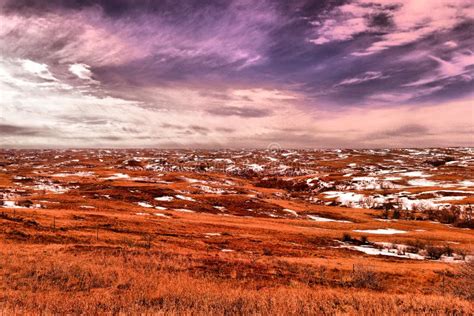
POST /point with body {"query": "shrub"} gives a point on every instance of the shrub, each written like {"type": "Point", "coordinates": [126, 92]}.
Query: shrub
{"type": "Point", "coordinates": [346, 237]}
{"type": "Point", "coordinates": [364, 277]}
{"type": "Point", "coordinates": [434, 252]}
{"type": "Point", "coordinates": [448, 251]}
{"type": "Point", "coordinates": [267, 252]}
{"type": "Point", "coordinates": [415, 245]}
{"type": "Point", "coordinates": [465, 286]}
{"type": "Point", "coordinates": [396, 214]}
{"type": "Point", "coordinates": [462, 253]}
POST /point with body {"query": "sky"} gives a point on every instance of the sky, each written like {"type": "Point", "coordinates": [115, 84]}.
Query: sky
{"type": "Point", "coordinates": [236, 73]}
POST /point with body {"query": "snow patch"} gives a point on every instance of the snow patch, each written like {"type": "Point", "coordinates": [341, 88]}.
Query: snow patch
{"type": "Point", "coordinates": [381, 231]}
{"type": "Point", "coordinates": [324, 219]}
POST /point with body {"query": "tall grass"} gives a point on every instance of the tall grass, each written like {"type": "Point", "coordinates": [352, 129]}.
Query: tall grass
{"type": "Point", "coordinates": [138, 282]}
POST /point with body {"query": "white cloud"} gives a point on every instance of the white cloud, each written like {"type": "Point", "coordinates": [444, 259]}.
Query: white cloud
{"type": "Point", "coordinates": [40, 70]}
{"type": "Point", "coordinates": [411, 20]}
{"type": "Point", "coordinates": [334, 30]}
{"type": "Point", "coordinates": [451, 44]}
{"type": "Point", "coordinates": [460, 65]}
{"type": "Point", "coordinates": [239, 36]}
{"type": "Point", "coordinates": [71, 115]}
{"type": "Point", "coordinates": [367, 76]}
{"type": "Point", "coordinates": [82, 71]}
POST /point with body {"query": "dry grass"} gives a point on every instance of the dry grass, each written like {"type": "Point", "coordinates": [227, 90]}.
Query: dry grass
{"type": "Point", "coordinates": [168, 266]}
{"type": "Point", "coordinates": [80, 280]}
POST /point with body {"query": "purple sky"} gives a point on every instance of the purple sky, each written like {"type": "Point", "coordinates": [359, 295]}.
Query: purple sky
{"type": "Point", "coordinates": [196, 73]}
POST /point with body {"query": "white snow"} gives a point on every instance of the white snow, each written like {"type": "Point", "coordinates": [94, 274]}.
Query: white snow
{"type": "Point", "coordinates": [310, 180]}
{"type": "Point", "coordinates": [414, 174]}
{"type": "Point", "coordinates": [77, 174]}
{"type": "Point", "coordinates": [211, 190]}
{"type": "Point", "coordinates": [323, 219]}
{"type": "Point", "coordinates": [191, 180]}
{"type": "Point", "coordinates": [144, 204]}
{"type": "Point", "coordinates": [422, 183]}
{"type": "Point", "coordinates": [11, 204]}
{"type": "Point", "coordinates": [290, 211]}
{"type": "Point", "coordinates": [118, 176]}
{"type": "Point", "coordinates": [370, 250]}
{"type": "Point", "coordinates": [381, 231]}
{"type": "Point", "coordinates": [212, 234]}
{"type": "Point", "coordinates": [50, 187]}
{"type": "Point", "coordinates": [185, 198]}
{"type": "Point", "coordinates": [255, 167]}
{"type": "Point", "coordinates": [345, 198]}
{"type": "Point", "coordinates": [164, 198]}
{"type": "Point", "coordinates": [364, 179]}
{"type": "Point", "coordinates": [183, 210]}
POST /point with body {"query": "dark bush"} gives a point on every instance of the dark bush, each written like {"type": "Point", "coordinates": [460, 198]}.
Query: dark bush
{"type": "Point", "coordinates": [448, 251]}
{"type": "Point", "coordinates": [364, 277]}
{"type": "Point", "coordinates": [276, 183]}
{"type": "Point", "coordinates": [346, 237]}
{"type": "Point", "coordinates": [465, 285]}
{"type": "Point", "coordinates": [434, 252]}
{"type": "Point", "coordinates": [396, 214]}
{"type": "Point", "coordinates": [415, 245]}
{"type": "Point", "coordinates": [267, 252]}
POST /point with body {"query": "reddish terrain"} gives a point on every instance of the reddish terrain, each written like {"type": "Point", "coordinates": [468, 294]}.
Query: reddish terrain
{"type": "Point", "coordinates": [245, 232]}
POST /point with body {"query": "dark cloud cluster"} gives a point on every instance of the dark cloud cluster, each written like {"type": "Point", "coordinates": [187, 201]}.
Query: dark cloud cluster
{"type": "Point", "coordinates": [247, 112]}
{"type": "Point", "coordinates": [300, 44]}
{"type": "Point", "coordinates": [113, 8]}
{"type": "Point", "coordinates": [15, 130]}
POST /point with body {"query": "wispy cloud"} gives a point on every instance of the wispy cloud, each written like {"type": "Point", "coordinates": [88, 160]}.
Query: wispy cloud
{"type": "Point", "coordinates": [396, 23]}
{"type": "Point", "coordinates": [460, 65]}
{"type": "Point", "coordinates": [367, 76]}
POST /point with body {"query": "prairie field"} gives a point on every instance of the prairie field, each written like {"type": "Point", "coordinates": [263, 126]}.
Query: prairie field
{"type": "Point", "coordinates": [281, 232]}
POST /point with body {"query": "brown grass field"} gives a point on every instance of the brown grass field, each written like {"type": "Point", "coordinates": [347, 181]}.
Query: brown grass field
{"type": "Point", "coordinates": [95, 250]}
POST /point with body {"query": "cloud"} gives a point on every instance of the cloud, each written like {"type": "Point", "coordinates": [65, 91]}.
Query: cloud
{"type": "Point", "coordinates": [407, 130]}
{"type": "Point", "coordinates": [199, 129]}
{"type": "Point", "coordinates": [234, 33]}
{"type": "Point", "coordinates": [367, 76]}
{"type": "Point", "coordinates": [212, 73]}
{"type": "Point", "coordinates": [395, 23]}
{"type": "Point", "coordinates": [248, 112]}
{"type": "Point", "coordinates": [40, 70]}
{"type": "Point", "coordinates": [14, 130]}
{"type": "Point", "coordinates": [451, 44]}
{"type": "Point", "coordinates": [82, 71]}
{"type": "Point", "coordinates": [86, 119]}
{"type": "Point", "coordinates": [460, 66]}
